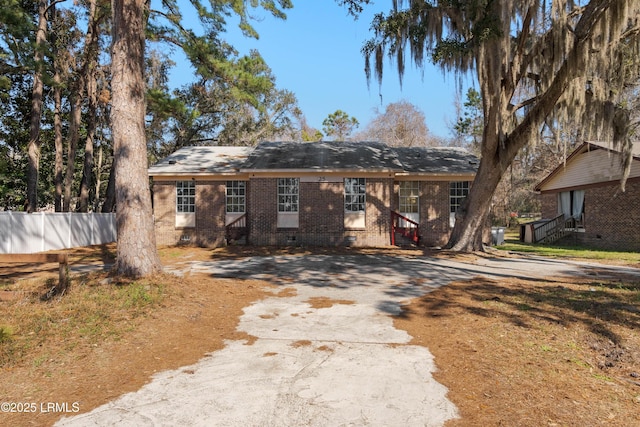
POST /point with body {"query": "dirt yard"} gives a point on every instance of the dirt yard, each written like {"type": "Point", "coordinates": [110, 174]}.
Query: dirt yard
{"type": "Point", "coordinates": [511, 352]}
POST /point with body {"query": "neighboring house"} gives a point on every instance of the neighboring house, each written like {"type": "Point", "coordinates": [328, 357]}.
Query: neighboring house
{"type": "Point", "coordinates": [583, 195]}
{"type": "Point", "coordinates": [309, 194]}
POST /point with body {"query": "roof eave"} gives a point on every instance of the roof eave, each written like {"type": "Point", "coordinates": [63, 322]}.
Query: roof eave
{"type": "Point", "coordinates": [322, 170]}
{"type": "Point", "coordinates": [437, 174]}
{"type": "Point", "coordinates": [585, 146]}
{"type": "Point", "coordinates": [200, 173]}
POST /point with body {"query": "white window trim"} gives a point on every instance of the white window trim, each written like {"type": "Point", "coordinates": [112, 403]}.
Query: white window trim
{"type": "Point", "coordinates": [288, 218]}
{"type": "Point", "coordinates": [465, 186]}
{"type": "Point", "coordinates": [232, 215]}
{"type": "Point", "coordinates": [185, 219]}
{"type": "Point", "coordinates": [355, 219]}
{"type": "Point", "coordinates": [414, 192]}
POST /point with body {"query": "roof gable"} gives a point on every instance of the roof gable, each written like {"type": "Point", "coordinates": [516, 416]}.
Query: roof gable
{"type": "Point", "coordinates": [590, 163]}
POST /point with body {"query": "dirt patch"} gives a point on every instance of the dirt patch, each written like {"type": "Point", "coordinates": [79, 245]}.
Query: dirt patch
{"type": "Point", "coordinates": [516, 352]}
{"type": "Point", "coordinates": [324, 302]}
{"type": "Point", "coordinates": [511, 352]}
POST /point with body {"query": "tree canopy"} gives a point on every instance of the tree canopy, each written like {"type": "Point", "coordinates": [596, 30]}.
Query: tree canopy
{"type": "Point", "coordinates": [538, 64]}
{"type": "Point", "coordinates": [233, 99]}
{"type": "Point", "coordinates": [400, 124]}
{"type": "Point", "coordinates": [339, 125]}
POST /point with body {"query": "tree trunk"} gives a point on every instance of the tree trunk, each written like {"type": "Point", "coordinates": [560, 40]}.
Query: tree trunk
{"type": "Point", "coordinates": [59, 146]}
{"type": "Point", "coordinates": [109, 204]}
{"type": "Point", "coordinates": [87, 169]}
{"type": "Point", "coordinates": [57, 122]}
{"type": "Point", "coordinates": [472, 218]}
{"type": "Point", "coordinates": [96, 199]}
{"type": "Point", "coordinates": [137, 254]}
{"type": "Point", "coordinates": [90, 79]}
{"type": "Point", "coordinates": [75, 116]}
{"type": "Point", "coordinates": [499, 150]}
{"type": "Point", "coordinates": [33, 148]}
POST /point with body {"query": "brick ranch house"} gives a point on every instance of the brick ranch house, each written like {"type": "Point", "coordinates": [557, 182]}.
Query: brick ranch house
{"type": "Point", "coordinates": [364, 194]}
{"type": "Point", "coordinates": [583, 196]}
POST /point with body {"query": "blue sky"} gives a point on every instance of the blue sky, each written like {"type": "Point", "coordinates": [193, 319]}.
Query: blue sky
{"type": "Point", "coordinates": [315, 53]}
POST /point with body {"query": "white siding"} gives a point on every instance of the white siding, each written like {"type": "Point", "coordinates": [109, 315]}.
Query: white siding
{"type": "Point", "coordinates": [590, 167]}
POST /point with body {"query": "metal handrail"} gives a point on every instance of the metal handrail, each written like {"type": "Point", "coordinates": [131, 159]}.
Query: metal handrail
{"type": "Point", "coordinates": [239, 222]}
{"type": "Point", "coordinates": [414, 234]}
{"type": "Point", "coordinates": [238, 225]}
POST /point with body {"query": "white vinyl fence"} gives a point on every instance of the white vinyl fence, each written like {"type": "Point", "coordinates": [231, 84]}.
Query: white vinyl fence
{"type": "Point", "coordinates": [22, 233]}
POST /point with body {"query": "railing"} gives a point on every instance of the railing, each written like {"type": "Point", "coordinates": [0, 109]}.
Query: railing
{"type": "Point", "coordinates": [575, 223]}
{"type": "Point", "coordinates": [531, 215]}
{"type": "Point", "coordinates": [412, 231]}
{"type": "Point", "coordinates": [236, 229]}
{"type": "Point", "coordinates": [550, 231]}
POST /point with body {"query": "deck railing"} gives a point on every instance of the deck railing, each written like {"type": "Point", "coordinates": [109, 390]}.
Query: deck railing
{"type": "Point", "coordinates": [550, 231]}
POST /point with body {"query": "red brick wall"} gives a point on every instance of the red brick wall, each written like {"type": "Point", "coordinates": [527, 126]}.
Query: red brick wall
{"type": "Point", "coordinates": [434, 213]}
{"type": "Point", "coordinates": [611, 217]}
{"type": "Point", "coordinates": [321, 215]}
{"type": "Point", "coordinates": [378, 214]}
{"type": "Point", "coordinates": [210, 214]}
{"type": "Point", "coordinates": [549, 205]}
{"type": "Point", "coordinates": [263, 215]}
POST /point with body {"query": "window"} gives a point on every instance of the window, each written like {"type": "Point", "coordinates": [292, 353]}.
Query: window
{"type": "Point", "coordinates": [457, 192]}
{"type": "Point", "coordinates": [288, 194]}
{"type": "Point", "coordinates": [186, 196]}
{"type": "Point", "coordinates": [354, 194]}
{"type": "Point", "coordinates": [236, 196]}
{"type": "Point", "coordinates": [354, 203]}
{"type": "Point", "coordinates": [409, 193]}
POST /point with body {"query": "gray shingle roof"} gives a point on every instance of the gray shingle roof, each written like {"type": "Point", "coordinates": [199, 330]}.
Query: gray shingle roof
{"type": "Point", "coordinates": [326, 155]}
{"type": "Point", "coordinates": [202, 160]}
{"type": "Point", "coordinates": [441, 160]}
{"type": "Point", "coordinates": [316, 156]}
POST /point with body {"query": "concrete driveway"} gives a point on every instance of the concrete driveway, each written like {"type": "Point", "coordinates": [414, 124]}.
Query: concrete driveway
{"type": "Point", "coordinates": [336, 364]}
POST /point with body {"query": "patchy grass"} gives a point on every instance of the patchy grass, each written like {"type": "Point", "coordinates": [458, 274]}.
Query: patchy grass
{"type": "Point", "coordinates": [524, 352]}
{"type": "Point", "coordinates": [512, 244]}
{"type": "Point", "coordinates": [94, 309]}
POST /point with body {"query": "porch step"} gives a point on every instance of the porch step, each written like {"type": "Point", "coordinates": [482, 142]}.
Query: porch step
{"type": "Point", "coordinates": [238, 241]}
{"type": "Point", "coordinates": [236, 236]}
{"type": "Point", "coordinates": [403, 240]}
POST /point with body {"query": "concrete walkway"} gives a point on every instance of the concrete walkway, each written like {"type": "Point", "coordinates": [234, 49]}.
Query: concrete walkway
{"type": "Point", "coordinates": [341, 365]}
